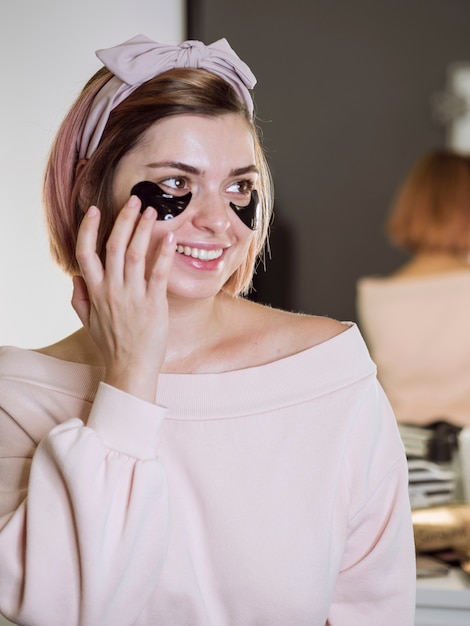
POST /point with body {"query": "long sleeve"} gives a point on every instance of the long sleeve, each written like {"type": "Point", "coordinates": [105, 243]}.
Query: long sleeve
{"type": "Point", "coordinates": [377, 576]}
{"type": "Point", "coordinates": [379, 563]}
{"type": "Point", "coordinates": [83, 523]}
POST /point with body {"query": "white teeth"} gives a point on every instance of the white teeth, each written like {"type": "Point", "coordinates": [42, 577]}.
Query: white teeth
{"type": "Point", "coordinates": [199, 253]}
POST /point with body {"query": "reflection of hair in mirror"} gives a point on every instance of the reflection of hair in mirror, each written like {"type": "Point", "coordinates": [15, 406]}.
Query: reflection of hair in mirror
{"type": "Point", "coordinates": [431, 212]}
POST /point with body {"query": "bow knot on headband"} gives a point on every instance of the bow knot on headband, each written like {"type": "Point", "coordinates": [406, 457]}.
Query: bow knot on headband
{"type": "Point", "coordinates": [139, 59]}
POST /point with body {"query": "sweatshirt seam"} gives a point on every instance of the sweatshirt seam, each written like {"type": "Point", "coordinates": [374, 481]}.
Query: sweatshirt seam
{"type": "Point", "coordinates": [377, 488]}
{"type": "Point", "coordinates": [345, 462]}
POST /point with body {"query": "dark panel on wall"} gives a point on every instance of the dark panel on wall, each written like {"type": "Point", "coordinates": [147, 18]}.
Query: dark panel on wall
{"type": "Point", "coordinates": [344, 98]}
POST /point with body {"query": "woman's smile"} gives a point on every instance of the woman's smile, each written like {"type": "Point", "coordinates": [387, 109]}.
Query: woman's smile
{"type": "Point", "coordinates": [202, 254]}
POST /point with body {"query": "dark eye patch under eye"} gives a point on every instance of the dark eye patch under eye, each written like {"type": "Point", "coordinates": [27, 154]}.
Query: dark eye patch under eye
{"type": "Point", "coordinates": [167, 206]}
{"type": "Point", "coordinates": [249, 214]}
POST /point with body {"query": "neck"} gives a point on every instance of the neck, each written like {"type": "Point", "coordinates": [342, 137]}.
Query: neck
{"type": "Point", "coordinates": [194, 327]}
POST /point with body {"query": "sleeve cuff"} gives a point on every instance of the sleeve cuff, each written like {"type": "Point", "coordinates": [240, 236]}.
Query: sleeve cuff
{"type": "Point", "coordinates": [126, 423]}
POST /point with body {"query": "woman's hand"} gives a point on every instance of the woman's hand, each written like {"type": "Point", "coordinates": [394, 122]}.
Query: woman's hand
{"type": "Point", "coordinates": [124, 305]}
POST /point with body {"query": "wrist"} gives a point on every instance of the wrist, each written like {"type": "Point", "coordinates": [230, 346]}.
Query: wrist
{"type": "Point", "coordinates": [142, 385]}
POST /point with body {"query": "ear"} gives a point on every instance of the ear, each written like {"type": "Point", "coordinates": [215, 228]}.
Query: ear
{"type": "Point", "coordinates": [82, 185]}
{"type": "Point", "coordinates": [79, 167]}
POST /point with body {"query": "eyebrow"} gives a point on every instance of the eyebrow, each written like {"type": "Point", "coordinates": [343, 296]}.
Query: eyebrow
{"type": "Point", "coordinates": [190, 169]}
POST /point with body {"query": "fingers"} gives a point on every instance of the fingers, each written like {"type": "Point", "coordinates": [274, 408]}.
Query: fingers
{"type": "Point", "coordinates": [119, 301]}
{"type": "Point", "coordinates": [135, 256]}
{"type": "Point", "coordinates": [160, 270]}
{"type": "Point", "coordinates": [119, 245]}
{"type": "Point", "coordinates": [88, 260]}
{"type": "Point", "coordinates": [120, 240]}
{"type": "Point", "coordinates": [130, 258]}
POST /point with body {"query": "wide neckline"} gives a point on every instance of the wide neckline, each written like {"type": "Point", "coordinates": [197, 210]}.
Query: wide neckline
{"type": "Point", "coordinates": [297, 378]}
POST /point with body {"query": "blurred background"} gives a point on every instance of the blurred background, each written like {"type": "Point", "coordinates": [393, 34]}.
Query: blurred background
{"type": "Point", "coordinates": [46, 56]}
{"type": "Point", "coordinates": [350, 94]}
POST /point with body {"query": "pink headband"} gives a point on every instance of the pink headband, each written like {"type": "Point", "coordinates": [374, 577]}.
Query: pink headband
{"type": "Point", "coordinates": [139, 59]}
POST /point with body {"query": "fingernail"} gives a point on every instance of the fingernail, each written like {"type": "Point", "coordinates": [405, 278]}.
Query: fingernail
{"type": "Point", "coordinates": [148, 213]}
{"type": "Point", "coordinates": [92, 211]}
{"type": "Point", "coordinates": [133, 201]}
{"type": "Point", "coordinates": [170, 238]}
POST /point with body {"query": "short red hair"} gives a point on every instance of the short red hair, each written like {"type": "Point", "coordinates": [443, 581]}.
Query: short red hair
{"type": "Point", "coordinates": [432, 208]}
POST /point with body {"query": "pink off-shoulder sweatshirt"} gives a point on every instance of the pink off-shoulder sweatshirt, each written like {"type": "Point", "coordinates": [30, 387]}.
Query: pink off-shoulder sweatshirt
{"type": "Point", "coordinates": [271, 496]}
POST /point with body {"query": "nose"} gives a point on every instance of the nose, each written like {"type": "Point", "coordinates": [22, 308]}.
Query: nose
{"type": "Point", "coordinates": [211, 213]}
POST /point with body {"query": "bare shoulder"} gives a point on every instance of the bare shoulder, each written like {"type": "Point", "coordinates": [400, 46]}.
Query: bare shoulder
{"type": "Point", "coordinates": [282, 333]}
{"type": "Point", "coordinates": [304, 331]}
{"type": "Point", "coordinates": [77, 348]}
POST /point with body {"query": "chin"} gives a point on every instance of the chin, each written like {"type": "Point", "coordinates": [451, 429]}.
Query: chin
{"type": "Point", "coordinates": [194, 291]}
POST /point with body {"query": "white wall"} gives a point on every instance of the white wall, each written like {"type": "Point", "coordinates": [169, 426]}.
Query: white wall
{"type": "Point", "coordinates": [46, 54]}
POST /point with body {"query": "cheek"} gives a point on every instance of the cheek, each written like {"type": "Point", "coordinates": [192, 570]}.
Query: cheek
{"type": "Point", "coordinates": [249, 245]}
{"type": "Point", "coordinates": [244, 234]}
{"type": "Point", "coordinates": [120, 188]}
{"type": "Point", "coordinates": [160, 230]}
{"type": "Point", "coordinates": [154, 246]}
{"type": "Point", "coordinates": [123, 181]}
{"type": "Point", "coordinates": [120, 196]}
{"type": "Point", "coordinates": [245, 241]}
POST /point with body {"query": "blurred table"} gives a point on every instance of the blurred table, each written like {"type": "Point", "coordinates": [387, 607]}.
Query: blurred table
{"type": "Point", "coordinates": [443, 601]}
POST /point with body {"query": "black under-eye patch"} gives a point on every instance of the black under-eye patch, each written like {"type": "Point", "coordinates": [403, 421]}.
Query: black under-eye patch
{"type": "Point", "coordinates": [249, 214]}
{"type": "Point", "coordinates": [168, 206]}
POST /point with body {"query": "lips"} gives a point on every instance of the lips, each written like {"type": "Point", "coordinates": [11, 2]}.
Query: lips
{"type": "Point", "coordinates": [199, 253]}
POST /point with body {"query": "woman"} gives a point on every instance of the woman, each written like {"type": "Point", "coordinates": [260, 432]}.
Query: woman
{"type": "Point", "coordinates": [415, 320]}
{"type": "Point", "coordinates": [188, 456]}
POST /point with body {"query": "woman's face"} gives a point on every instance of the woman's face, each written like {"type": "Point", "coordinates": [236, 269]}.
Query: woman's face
{"type": "Point", "coordinates": [213, 158]}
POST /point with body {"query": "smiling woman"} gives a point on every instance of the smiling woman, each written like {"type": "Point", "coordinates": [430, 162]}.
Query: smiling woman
{"type": "Point", "coordinates": [189, 456]}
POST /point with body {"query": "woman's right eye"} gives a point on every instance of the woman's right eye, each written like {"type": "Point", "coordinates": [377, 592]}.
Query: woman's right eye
{"type": "Point", "coordinates": [175, 182]}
